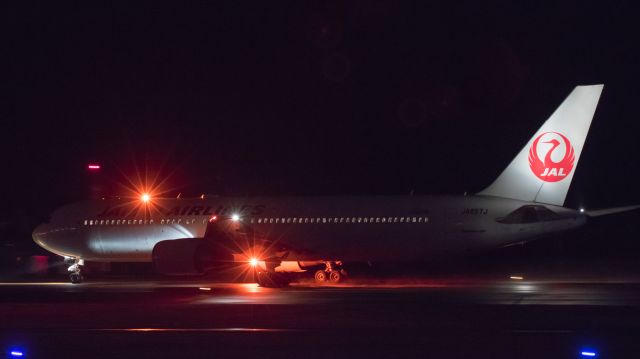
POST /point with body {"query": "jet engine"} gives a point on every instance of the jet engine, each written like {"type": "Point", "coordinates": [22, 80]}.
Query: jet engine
{"type": "Point", "coordinates": [189, 256]}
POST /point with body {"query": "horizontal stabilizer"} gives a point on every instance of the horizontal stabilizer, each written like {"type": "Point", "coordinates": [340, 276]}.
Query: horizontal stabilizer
{"type": "Point", "coordinates": [607, 211]}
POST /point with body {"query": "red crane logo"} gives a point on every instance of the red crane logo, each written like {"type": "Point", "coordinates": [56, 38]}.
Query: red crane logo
{"type": "Point", "coordinates": [547, 169]}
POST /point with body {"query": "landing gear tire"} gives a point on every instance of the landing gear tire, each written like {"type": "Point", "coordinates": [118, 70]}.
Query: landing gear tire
{"type": "Point", "coordinates": [272, 279]}
{"type": "Point", "coordinates": [336, 277]}
{"type": "Point", "coordinates": [333, 273]}
{"type": "Point", "coordinates": [76, 278]}
{"type": "Point", "coordinates": [320, 276]}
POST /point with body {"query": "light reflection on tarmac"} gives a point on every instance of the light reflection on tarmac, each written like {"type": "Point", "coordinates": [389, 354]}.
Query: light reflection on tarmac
{"type": "Point", "coordinates": [443, 317]}
{"type": "Point", "coordinates": [470, 292]}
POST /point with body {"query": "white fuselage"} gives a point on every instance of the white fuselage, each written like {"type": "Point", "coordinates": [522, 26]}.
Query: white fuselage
{"type": "Point", "coordinates": [395, 228]}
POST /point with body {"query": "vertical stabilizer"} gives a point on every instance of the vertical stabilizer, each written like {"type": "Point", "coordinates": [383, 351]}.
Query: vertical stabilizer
{"type": "Point", "coordinates": [543, 170]}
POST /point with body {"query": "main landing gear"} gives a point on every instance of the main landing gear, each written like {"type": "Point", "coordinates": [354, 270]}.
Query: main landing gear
{"type": "Point", "coordinates": [333, 273]}
{"type": "Point", "coordinates": [75, 269]}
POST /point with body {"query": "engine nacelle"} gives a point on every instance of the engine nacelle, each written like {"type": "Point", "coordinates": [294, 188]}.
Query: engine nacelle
{"type": "Point", "coordinates": [189, 256]}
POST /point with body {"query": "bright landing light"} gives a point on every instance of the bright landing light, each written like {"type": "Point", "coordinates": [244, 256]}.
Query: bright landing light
{"type": "Point", "coordinates": [253, 262]}
{"type": "Point", "coordinates": [145, 197]}
{"type": "Point", "coordinates": [235, 217]}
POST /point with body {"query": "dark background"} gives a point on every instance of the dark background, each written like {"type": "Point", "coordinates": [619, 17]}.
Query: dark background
{"type": "Point", "coordinates": [307, 98]}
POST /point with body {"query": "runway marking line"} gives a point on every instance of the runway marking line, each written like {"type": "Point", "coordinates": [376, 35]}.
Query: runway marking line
{"type": "Point", "coordinates": [160, 330]}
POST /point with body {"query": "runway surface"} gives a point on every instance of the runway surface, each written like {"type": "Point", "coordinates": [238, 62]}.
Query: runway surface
{"type": "Point", "coordinates": [425, 318]}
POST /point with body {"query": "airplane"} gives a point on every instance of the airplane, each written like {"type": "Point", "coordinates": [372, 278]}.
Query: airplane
{"type": "Point", "coordinates": [280, 237]}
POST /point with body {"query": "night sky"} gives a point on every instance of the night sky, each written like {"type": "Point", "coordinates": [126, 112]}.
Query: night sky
{"type": "Point", "coordinates": [322, 98]}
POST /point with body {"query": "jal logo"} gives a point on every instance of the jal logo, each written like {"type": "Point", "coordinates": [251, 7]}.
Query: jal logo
{"type": "Point", "coordinates": [551, 157]}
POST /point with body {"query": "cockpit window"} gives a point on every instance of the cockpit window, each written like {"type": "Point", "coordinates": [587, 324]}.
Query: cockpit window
{"type": "Point", "coordinates": [529, 214]}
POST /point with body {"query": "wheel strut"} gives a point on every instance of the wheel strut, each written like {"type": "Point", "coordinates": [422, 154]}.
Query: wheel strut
{"type": "Point", "coordinates": [75, 270]}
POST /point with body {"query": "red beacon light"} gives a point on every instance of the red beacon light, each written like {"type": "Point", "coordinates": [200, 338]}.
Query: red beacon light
{"type": "Point", "coordinates": [145, 197]}
{"type": "Point", "coordinates": [213, 219]}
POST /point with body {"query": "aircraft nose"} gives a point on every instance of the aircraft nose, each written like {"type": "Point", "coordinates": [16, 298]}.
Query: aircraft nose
{"type": "Point", "coordinates": [39, 234]}
{"type": "Point", "coordinates": [60, 241]}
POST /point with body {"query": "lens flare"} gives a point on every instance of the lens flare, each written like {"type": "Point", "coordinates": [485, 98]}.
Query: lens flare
{"type": "Point", "coordinates": [253, 261]}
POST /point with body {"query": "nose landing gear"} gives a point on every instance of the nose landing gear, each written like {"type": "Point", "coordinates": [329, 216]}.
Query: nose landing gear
{"type": "Point", "coordinates": [75, 269]}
